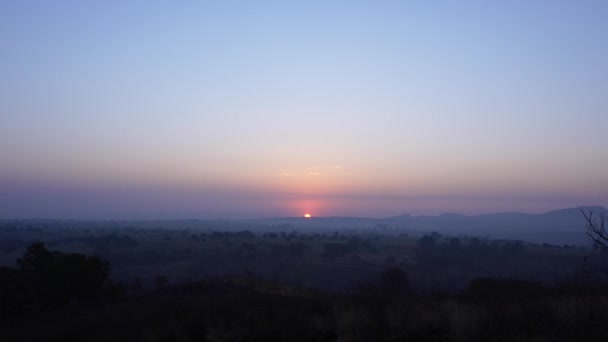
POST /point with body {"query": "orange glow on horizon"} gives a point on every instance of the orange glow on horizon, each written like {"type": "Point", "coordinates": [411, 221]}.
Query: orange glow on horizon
{"type": "Point", "coordinates": [307, 216]}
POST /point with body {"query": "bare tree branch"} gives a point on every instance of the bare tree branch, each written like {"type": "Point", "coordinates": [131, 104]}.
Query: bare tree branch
{"type": "Point", "coordinates": [596, 228]}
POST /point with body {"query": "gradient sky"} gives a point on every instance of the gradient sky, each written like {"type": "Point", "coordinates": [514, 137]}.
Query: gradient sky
{"type": "Point", "coordinates": [209, 109]}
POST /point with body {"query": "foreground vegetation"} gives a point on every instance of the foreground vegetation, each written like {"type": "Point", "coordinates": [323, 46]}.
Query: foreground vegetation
{"type": "Point", "coordinates": [223, 281]}
{"type": "Point", "coordinates": [55, 296]}
{"type": "Point", "coordinates": [250, 311]}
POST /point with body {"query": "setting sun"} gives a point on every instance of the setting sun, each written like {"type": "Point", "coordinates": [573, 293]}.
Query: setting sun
{"type": "Point", "coordinates": [306, 215]}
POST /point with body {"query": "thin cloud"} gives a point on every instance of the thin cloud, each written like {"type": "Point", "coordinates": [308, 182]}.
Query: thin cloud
{"type": "Point", "coordinates": [313, 168]}
{"type": "Point", "coordinates": [284, 174]}
{"type": "Point", "coordinates": [314, 173]}
{"type": "Point", "coordinates": [337, 167]}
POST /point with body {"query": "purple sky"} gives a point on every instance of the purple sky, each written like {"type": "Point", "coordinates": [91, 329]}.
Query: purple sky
{"type": "Point", "coordinates": [250, 109]}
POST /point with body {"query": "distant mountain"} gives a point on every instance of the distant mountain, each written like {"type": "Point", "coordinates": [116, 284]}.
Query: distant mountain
{"type": "Point", "coordinates": [564, 226]}
{"type": "Point", "coordinates": [559, 227]}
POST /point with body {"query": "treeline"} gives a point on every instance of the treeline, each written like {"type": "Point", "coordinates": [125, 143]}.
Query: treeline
{"type": "Point", "coordinates": [434, 250]}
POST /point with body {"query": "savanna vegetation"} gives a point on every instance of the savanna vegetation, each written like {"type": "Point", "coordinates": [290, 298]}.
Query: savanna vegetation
{"type": "Point", "coordinates": [221, 281]}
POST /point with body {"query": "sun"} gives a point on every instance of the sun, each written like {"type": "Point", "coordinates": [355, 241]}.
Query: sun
{"type": "Point", "coordinates": [307, 216]}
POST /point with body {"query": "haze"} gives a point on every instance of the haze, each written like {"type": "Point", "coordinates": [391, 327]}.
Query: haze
{"type": "Point", "coordinates": [364, 108]}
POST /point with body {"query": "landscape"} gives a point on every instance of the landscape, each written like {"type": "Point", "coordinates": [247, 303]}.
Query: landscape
{"type": "Point", "coordinates": [303, 171]}
{"type": "Point", "coordinates": [335, 278]}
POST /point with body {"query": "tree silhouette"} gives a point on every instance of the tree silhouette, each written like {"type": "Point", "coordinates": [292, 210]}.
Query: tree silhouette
{"type": "Point", "coordinates": [596, 228]}
{"type": "Point", "coordinates": [57, 278]}
{"type": "Point", "coordinates": [426, 241]}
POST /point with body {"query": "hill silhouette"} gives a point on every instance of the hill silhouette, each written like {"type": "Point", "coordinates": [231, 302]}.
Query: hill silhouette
{"type": "Point", "coordinates": [562, 226]}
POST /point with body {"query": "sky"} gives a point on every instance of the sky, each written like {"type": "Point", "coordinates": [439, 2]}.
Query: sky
{"type": "Point", "coordinates": [238, 109]}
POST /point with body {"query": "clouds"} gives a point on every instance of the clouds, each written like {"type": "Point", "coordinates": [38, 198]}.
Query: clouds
{"type": "Point", "coordinates": [312, 171]}
{"type": "Point", "coordinates": [318, 168]}
{"type": "Point", "coordinates": [315, 170]}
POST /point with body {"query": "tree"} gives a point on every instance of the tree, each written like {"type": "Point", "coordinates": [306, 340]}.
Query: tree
{"type": "Point", "coordinates": [596, 228]}
{"type": "Point", "coordinates": [426, 241]}
{"type": "Point", "coordinates": [58, 278]}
